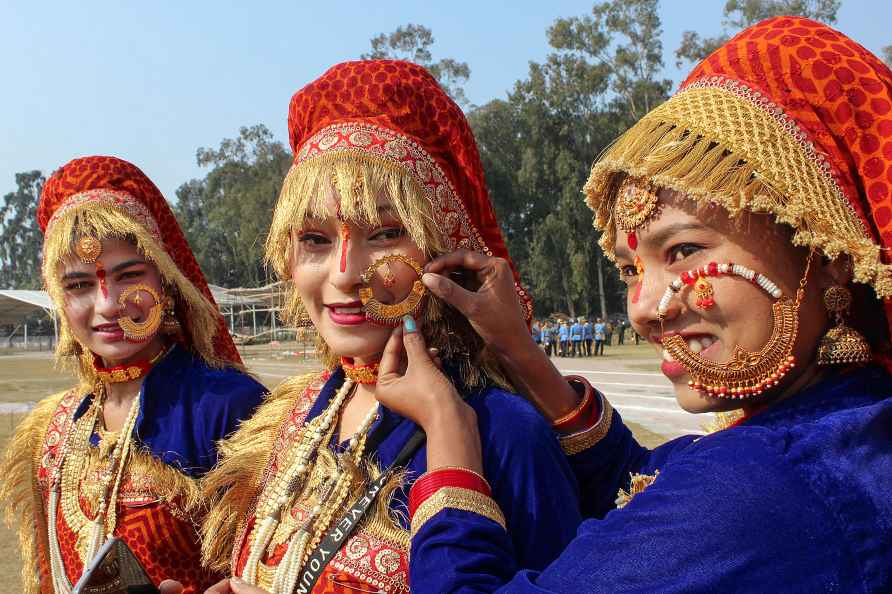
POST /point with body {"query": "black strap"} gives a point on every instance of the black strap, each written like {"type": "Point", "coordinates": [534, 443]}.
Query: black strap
{"type": "Point", "coordinates": [347, 523]}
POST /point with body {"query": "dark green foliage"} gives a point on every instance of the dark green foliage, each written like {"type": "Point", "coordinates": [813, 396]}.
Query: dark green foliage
{"type": "Point", "coordinates": [20, 237]}
{"type": "Point", "coordinates": [226, 215]}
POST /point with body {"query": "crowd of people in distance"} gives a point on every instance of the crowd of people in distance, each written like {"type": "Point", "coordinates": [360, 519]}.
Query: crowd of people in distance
{"type": "Point", "coordinates": [580, 337]}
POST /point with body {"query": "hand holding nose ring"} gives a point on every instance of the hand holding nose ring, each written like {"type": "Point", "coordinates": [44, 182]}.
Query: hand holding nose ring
{"type": "Point", "coordinates": [140, 331]}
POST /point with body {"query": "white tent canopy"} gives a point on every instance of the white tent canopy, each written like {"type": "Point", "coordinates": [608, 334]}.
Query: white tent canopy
{"type": "Point", "coordinates": [15, 304]}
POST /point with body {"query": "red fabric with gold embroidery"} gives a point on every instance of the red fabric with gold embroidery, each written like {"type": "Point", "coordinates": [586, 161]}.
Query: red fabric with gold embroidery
{"type": "Point", "coordinates": [165, 545]}
{"type": "Point", "coordinates": [838, 92]}
{"type": "Point", "coordinates": [111, 173]}
{"type": "Point", "coordinates": [403, 98]}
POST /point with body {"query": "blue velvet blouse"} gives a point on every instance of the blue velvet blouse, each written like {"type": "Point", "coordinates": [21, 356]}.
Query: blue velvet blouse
{"type": "Point", "coordinates": [522, 460]}
{"type": "Point", "coordinates": [186, 407]}
{"type": "Point", "coordinates": [795, 499]}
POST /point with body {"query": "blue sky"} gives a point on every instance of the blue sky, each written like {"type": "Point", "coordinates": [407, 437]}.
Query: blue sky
{"type": "Point", "coordinates": [152, 82]}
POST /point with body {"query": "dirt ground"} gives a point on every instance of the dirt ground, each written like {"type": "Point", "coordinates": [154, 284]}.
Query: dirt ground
{"type": "Point", "coordinates": [28, 377]}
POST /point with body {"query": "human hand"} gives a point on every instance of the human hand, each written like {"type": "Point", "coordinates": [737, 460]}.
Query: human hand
{"type": "Point", "coordinates": [410, 381]}
{"type": "Point", "coordinates": [170, 587]}
{"type": "Point", "coordinates": [493, 308]}
{"type": "Point", "coordinates": [497, 317]}
{"type": "Point", "coordinates": [411, 384]}
{"type": "Point", "coordinates": [234, 585]}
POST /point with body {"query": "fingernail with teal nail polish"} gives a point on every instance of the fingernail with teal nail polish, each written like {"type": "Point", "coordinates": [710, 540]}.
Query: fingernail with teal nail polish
{"type": "Point", "coordinates": [409, 324]}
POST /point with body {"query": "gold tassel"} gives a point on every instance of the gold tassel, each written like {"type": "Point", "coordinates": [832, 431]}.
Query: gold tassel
{"type": "Point", "coordinates": [637, 484]}
{"type": "Point", "coordinates": [105, 221]}
{"type": "Point", "coordinates": [19, 493]}
{"type": "Point", "coordinates": [232, 486]}
{"type": "Point", "coordinates": [717, 147]}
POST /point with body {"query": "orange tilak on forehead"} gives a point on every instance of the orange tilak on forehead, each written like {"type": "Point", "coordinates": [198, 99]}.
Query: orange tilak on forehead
{"type": "Point", "coordinates": [89, 249]}
{"type": "Point", "coordinates": [345, 238]}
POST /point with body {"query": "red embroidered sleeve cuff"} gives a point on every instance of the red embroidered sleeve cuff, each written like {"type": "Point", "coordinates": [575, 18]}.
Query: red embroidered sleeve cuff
{"type": "Point", "coordinates": [457, 498]}
{"type": "Point", "coordinates": [450, 476]}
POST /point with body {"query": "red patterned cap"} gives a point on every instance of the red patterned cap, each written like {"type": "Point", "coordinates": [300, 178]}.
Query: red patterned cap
{"type": "Point", "coordinates": [396, 111]}
{"type": "Point", "coordinates": [116, 182]}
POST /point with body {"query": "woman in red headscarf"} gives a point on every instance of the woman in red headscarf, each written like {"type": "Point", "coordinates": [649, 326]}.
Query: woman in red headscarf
{"type": "Point", "coordinates": [160, 382]}
{"type": "Point", "coordinates": [312, 490]}
{"type": "Point", "coordinates": [751, 217]}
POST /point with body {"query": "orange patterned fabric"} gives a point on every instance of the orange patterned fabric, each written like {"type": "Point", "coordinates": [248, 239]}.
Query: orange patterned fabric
{"type": "Point", "coordinates": [838, 93]}
{"type": "Point", "coordinates": [110, 173]}
{"type": "Point", "coordinates": [396, 110]}
{"type": "Point", "coordinates": [163, 536]}
{"type": "Point", "coordinates": [165, 545]}
{"type": "Point", "coordinates": [365, 563]}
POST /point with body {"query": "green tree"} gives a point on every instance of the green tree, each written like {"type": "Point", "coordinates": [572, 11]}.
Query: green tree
{"type": "Point", "coordinates": [886, 55]}
{"type": "Point", "coordinates": [740, 14]}
{"type": "Point", "coordinates": [20, 237]}
{"type": "Point", "coordinates": [536, 148]}
{"type": "Point", "coordinates": [413, 43]}
{"type": "Point", "coordinates": [226, 215]}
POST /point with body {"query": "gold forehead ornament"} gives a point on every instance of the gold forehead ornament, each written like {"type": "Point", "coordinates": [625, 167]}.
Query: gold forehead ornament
{"type": "Point", "coordinates": [88, 249]}
{"type": "Point", "coordinates": [636, 202]}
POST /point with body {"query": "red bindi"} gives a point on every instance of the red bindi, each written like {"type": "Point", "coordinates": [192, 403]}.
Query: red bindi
{"type": "Point", "coordinates": [100, 274]}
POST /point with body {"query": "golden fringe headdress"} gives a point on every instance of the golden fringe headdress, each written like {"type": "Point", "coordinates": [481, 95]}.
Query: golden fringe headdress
{"type": "Point", "coordinates": [764, 125]}
{"type": "Point", "coordinates": [385, 128]}
{"type": "Point", "coordinates": [105, 197]}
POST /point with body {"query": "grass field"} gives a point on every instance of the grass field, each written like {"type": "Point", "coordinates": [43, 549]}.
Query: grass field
{"type": "Point", "coordinates": [10, 562]}
{"type": "Point", "coordinates": [29, 377]}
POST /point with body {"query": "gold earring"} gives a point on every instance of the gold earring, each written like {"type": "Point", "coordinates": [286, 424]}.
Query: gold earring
{"type": "Point", "coordinates": [382, 312]}
{"type": "Point", "coordinates": [841, 345]}
{"type": "Point", "coordinates": [170, 325]}
{"type": "Point", "coordinates": [140, 331]}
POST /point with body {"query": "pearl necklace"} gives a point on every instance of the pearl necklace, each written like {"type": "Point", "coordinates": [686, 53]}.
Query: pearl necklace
{"type": "Point", "coordinates": [291, 482]}
{"type": "Point", "coordinates": [102, 526]}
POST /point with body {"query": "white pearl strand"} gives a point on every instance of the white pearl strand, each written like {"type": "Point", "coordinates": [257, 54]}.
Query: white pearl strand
{"type": "Point", "coordinates": [288, 571]}
{"type": "Point", "coordinates": [62, 584]}
{"type": "Point", "coordinates": [736, 269]}
{"type": "Point", "coordinates": [314, 432]}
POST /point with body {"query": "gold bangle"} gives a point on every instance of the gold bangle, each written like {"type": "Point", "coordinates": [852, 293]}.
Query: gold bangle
{"type": "Point", "coordinates": [457, 498]}
{"type": "Point", "coordinates": [583, 440]}
{"type": "Point", "coordinates": [586, 399]}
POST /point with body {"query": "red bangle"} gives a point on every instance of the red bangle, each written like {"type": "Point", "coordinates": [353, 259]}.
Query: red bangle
{"type": "Point", "coordinates": [433, 481]}
{"type": "Point", "coordinates": [584, 415]}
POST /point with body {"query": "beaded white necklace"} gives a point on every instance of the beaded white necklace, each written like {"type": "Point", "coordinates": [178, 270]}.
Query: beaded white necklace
{"type": "Point", "coordinates": [290, 483]}
{"type": "Point", "coordinates": [102, 526]}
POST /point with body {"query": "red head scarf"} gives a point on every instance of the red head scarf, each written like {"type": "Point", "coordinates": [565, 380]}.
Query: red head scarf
{"type": "Point", "coordinates": [115, 182]}
{"type": "Point", "coordinates": [789, 117]}
{"type": "Point", "coordinates": [396, 111]}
